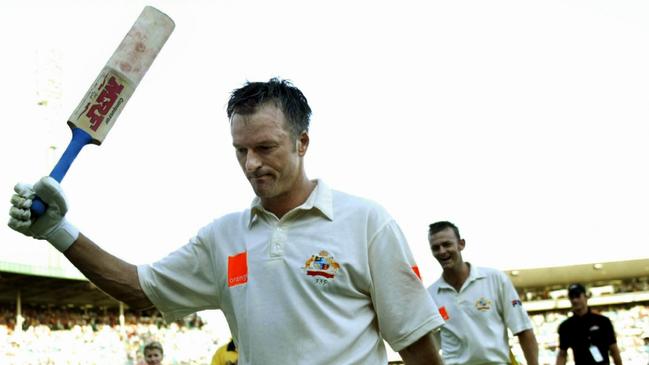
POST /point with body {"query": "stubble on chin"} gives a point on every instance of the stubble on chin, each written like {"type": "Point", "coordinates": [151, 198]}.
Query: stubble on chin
{"type": "Point", "coordinates": [262, 191]}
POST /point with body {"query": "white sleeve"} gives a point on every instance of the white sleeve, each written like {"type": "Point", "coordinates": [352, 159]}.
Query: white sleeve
{"type": "Point", "coordinates": [405, 310]}
{"type": "Point", "coordinates": [183, 282]}
{"type": "Point", "coordinates": [515, 315]}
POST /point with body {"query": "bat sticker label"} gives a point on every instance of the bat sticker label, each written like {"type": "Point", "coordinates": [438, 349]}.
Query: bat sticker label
{"type": "Point", "coordinates": [109, 92]}
{"type": "Point", "coordinates": [101, 104]}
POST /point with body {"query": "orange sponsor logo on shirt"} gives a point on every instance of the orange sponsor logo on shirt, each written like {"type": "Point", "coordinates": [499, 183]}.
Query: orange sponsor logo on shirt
{"type": "Point", "coordinates": [416, 270]}
{"type": "Point", "coordinates": [443, 313]}
{"type": "Point", "coordinates": [238, 269]}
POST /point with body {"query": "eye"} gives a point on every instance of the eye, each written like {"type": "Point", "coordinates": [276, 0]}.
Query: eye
{"type": "Point", "coordinates": [266, 148]}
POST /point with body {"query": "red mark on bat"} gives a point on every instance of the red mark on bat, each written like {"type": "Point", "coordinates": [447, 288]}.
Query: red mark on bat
{"type": "Point", "coordinates": [110, 92]}
{"type": "Point", "coordinates": [125, 67]}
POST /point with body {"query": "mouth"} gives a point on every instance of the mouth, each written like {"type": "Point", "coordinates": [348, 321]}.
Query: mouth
{"type": "Point", "coordinates": [259, 177]}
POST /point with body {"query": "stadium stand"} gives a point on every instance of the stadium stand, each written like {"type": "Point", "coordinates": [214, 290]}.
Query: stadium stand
{"type": "Point", "coordinates": [619, 290]}
{"type": "Point", "coordinates": [63, 320]}
{"type": "Point", "coordinates": [67, 320]}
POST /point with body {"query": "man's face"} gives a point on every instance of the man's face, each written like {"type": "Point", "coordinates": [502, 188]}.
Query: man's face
{"type": "Point", "coordinates": [446, 248]}
{"type": "Point", "coordinates": [578, 302]}
{"type": "Point", "coordinates": [270, 157]}
{"type": "Point", "coordinates": [153, 357]}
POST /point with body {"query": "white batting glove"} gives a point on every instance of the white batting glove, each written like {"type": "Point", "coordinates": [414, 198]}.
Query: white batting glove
{"type": "Point", "coordinates": [52, 225]}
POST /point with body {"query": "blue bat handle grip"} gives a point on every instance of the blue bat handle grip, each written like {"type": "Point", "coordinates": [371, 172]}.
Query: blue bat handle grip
{"type": "Point", "coordinates": [80, 138]}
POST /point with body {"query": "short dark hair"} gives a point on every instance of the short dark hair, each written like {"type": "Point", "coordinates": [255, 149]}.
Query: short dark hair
{"type": "Point", "coordinates": [282, 93]}
{"type": "Point", "coordinates": [442, 225]}
{"type": "Point", "coordinates": [153, 345]}
{"type": "Point", "coordinates": [575, 290]}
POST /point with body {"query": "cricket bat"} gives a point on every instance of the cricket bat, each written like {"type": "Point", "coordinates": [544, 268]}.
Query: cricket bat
{"type": "Point", "coordinates": [98, 110]}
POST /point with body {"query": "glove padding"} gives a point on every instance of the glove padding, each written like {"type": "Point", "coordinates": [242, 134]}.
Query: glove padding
{"type": "Point", "coordinates": [52, 225]}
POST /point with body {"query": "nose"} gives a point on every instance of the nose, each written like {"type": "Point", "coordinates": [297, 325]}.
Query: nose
{"type": "Point", "coordinates": [253, 162]}
{"type": "Point", "coordinates": [438, 252]}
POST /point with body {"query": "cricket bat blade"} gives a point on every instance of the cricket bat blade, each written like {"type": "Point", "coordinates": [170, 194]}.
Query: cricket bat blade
{"type": "Point", "coordinates": [97, 112]}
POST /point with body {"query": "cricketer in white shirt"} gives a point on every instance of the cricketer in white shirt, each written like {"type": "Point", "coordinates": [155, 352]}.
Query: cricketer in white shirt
{"type": "Point", "coordinates": [478, 305]}
{"type": "Point", "coordinates": [321, 285]}
{"type": "Point", "coordinates": [477, 317]}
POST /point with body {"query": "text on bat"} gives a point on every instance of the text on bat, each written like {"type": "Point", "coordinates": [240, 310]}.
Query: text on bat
{"type": "Point", "coordinates": [104, 102]}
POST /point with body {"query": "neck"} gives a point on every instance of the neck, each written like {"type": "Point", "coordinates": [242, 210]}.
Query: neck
{"type": "Point", "coordinates": [457, 275]}
{"type": "Point", "coordinates": [581, 312]}
{"type": "Point", "coordinates": [284, 203]}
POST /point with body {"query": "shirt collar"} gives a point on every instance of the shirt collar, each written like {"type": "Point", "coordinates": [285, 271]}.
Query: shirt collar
{"type": "Point", "coordinates": [321, 199]}
{"type": "Point", "coordinates": [474, 274]}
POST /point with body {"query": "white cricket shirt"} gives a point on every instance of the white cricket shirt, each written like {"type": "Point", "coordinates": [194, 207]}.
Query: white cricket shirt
{"type": "Point", "coordinates": [477, 318]}
{"type": "Point", "coordinates": [322, 285]}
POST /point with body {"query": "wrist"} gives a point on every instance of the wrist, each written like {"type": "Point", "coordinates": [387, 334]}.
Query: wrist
{"type": "Point", "coordinates": [63, 236]}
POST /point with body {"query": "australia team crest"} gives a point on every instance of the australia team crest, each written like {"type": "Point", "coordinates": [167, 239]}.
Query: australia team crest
{"type": "Point", "coordinates": [483, 304]}
{"type": "Point", "coordinates": [321, 267]}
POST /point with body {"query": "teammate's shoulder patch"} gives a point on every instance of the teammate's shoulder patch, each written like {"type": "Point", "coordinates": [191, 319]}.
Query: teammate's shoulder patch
{"type": "Point", "coordinates": [443, 313]}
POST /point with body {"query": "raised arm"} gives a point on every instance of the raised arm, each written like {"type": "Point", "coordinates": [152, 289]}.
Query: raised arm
{"type": "Point", "coordinates": [117, 278]}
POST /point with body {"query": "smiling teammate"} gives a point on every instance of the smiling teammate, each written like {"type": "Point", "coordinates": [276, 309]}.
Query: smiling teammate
{"type": "Point", "coordinates": [478, 305]}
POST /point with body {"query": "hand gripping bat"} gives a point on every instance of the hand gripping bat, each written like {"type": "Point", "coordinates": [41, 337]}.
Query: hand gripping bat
{"type": "Point", "coordinates": [98, 110]}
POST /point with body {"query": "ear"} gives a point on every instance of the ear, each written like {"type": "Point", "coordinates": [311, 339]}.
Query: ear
{"type": "Point", "coordinates": [302, 142]}
{"type": "Point", "coordinates": [461, 243]}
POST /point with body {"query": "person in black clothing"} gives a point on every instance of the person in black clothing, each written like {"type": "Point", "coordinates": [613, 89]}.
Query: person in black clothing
{"type": "Point", "coordinates": [590, 335]}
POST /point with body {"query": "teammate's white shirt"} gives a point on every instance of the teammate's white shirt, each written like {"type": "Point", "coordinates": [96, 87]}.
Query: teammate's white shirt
{"type": "Point", "coordinates": [319, 286]}
{"type": "Point", "coordinates": [478, 316]}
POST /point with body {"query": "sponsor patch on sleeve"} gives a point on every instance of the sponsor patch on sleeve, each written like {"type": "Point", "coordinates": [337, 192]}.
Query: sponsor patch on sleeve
{"type": "Point", "coordinates": [516, 302]}
{"type": "Point", "coordinates": [416, 270]}
{"type": "Point", "coordinates": [443, 313]}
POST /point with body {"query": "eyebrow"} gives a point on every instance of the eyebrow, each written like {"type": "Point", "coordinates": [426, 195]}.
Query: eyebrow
{"type": "Point", "coordinates": [261, 143]}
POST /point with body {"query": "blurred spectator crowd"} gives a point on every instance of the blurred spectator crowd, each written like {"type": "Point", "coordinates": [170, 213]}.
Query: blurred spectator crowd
{"type": "Point", "coordinates": [634, 285]}
{"type": "Point", "coordinates": [631, 324]}
{"type": "Point", "coordinates": [74, 336]}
